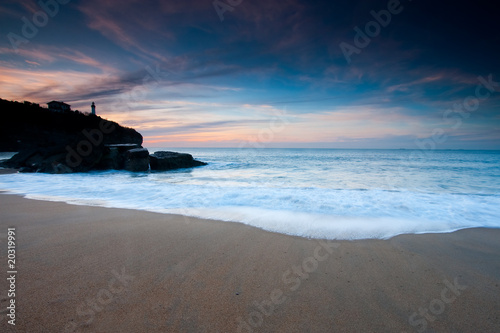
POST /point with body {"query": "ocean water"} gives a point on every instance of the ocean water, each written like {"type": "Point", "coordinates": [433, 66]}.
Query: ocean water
{"type": "Point", "coordinates": [316, 193]}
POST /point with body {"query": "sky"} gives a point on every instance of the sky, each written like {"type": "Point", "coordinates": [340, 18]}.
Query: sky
{"type": "Point", "coordinates": [414, 74]}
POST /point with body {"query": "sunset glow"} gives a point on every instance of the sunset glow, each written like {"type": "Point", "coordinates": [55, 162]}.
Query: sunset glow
{"type": "Point", "coordinates": [182, 77]}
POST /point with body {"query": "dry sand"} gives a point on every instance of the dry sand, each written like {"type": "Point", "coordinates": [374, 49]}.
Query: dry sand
{"type": "Point", "coordinates": [91, 269]}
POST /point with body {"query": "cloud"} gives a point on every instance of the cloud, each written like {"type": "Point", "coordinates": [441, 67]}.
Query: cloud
{"type": "Point", "coordinates": [49, 55]}
{"type": "Point", "coordinates": [161, 65]}
{"type": "Point", "coordinates": [34, 63]}
{"type": "Point", "coordinates": [132, 27]}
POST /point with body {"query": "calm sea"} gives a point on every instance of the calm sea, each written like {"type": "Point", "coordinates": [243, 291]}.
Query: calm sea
{"type": "Point", "coordinates": [319, 193]}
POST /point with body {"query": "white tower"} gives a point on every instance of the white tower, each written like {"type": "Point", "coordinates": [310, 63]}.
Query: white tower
{"type": "Point", "coordinates": [93, 108]}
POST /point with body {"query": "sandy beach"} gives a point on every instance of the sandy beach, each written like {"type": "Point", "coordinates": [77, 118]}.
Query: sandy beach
{"type": "Point", "coordinates": [92, 269]}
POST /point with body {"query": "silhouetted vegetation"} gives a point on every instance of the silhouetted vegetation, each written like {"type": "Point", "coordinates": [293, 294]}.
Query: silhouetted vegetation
{"type": "Point", "coordinates": [27, 125]}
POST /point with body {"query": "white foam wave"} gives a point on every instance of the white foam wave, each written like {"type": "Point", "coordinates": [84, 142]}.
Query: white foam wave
{"type": "Point", "coordinates": [321, 226]}
{"type": "Point", "coordinates": [278, 194]}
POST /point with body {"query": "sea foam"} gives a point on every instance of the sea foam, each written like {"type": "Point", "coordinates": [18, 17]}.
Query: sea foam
{"type": "Point", "coordinates": [307, 193]}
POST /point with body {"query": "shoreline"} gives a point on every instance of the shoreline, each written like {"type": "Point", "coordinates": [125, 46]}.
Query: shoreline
{"type": "Point", "coordinates": [82, 202]}
{"type": "Point", "coordinates": [87, 269]}
{"type": "Point", "coordinates": [187, 218]}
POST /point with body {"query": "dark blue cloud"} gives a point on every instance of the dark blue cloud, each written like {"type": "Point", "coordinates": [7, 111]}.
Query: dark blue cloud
{"type": "Point", "coordinates": [288, 52]}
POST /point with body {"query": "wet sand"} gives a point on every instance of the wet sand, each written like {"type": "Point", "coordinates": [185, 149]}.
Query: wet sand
{"type": "Point", "coordinates": [92, 269]}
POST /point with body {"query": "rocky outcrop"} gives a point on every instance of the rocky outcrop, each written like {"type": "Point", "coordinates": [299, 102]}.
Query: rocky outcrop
{"type": "Point", "coordinates": [84, 158]}
{"type": "Point", "coordinates": [168, 160]}
{"type": "Point", "coordinates": [114, 156]}
{"type": "Point", "coordinates": [137, 160]}
{"type": "Point", "coordinates": [57, 159]}
{"type": "Point", "coordinates": [70, 141]}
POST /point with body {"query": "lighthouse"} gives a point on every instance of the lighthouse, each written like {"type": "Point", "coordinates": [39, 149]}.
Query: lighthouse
{"type": "Point", "coordinates": [93, 108]}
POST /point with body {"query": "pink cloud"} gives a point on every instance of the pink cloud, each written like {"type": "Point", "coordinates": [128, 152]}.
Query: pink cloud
{"type": "Point", "coordinates": [41, 55]}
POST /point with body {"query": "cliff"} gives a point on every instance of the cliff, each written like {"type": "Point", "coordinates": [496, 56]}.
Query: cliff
{"type": "Point", "coordinates": [26, 126]}
{"type": "Point", "coordinates": [69, 141]}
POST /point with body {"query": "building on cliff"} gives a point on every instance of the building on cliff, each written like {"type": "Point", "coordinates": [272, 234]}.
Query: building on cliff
{"type": "Point", "coordinates": [58, 106]}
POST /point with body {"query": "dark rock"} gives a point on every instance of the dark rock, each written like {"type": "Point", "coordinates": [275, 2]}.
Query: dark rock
{"type": "Point", "coordinates": [76, 157]}
{"type": "Point", "coordinates": [19, 160]}
{"type": "Point", "coordinates": [38, 160]}
{"type": "Point", "coordinates": [137, 160]}
{"type": "Point", "coordinates": [123, 147]}
{"type": "Point", "coordinates": [84, 157]}
{"type": "Point", "coordinates": [111, 159]}
{"type": "Point", "coordinates": [168, 160]}
{"type": "Point", "coordinates": [81, 156]}
{"type": "Point", "coordinates": [61, 168]}
{"type": "Point", "coordinates": [114, 156]}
